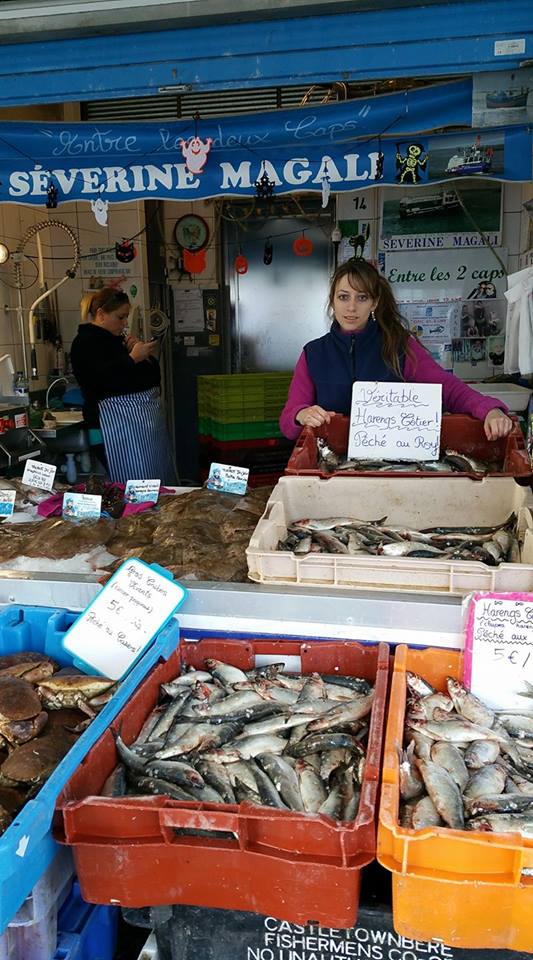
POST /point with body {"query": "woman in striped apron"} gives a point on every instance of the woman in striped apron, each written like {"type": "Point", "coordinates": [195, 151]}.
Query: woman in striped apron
{"type": "Point", "coordinates": [120, 381]}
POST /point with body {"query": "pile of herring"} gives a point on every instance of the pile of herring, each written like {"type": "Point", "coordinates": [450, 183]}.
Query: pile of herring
{"type": "Point", "coordinates": [223, 735]}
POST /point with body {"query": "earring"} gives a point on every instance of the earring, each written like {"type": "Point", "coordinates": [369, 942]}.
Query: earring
{"type": "Point", "coordinates": [372, 316]}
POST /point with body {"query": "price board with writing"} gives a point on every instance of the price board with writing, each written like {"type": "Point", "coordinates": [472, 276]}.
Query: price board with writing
{"type": "Point", "coordinates": [395, 421]}
{"type": "Point", "coordinates": [498, 661]}
{"type": "Point", "coordinates": [115, 629]}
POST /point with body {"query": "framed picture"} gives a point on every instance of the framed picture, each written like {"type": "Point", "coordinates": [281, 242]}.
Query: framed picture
{"type": "Point", "coordinates": [191, 232]}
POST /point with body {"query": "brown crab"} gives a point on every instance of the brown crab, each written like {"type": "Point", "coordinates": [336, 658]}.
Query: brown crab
{"type": "Point", "coordinates": [21, 715]}
{"type": "Point", "coordinates": [87, 693]}
{"type": "Point", "coordinates": [33, 762]}
{"type": "Point", "coordinates": [29, 666]}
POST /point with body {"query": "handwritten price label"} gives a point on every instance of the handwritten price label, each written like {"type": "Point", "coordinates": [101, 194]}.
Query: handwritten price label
{"type": "Point", "coordinates": [395, 421]}
{"type": "Point", "coordinates": [499, 649]}
{"type": "Point", "coordinates": [123, 619]}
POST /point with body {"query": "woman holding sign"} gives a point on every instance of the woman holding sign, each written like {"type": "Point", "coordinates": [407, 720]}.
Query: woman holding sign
{"type": "Point", "coordinates": [120, 381]}
{"type": "Point", "coordinates": [368, 341]}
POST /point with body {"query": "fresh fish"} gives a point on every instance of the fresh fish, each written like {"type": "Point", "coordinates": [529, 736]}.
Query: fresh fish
{"type": "Point", "coordinates": [115, 785]}
{"type": "Point", "coordinates": [242, 771]}
{"type": "Point", "coordinates": [203, 736]}
{"type": "Point", "coordinates": [427, 705]}
{"type": "Point", "coordinates": [332, 806]}
{"type": "Point", "coordinates": [130, 759]}
{"type": "Point", "coordinates": [217, 776]}
{"type": "Point", "coordinates": [330, 760]}
{"type": "Point", "coordinates": [313, 689]}
{"type": "Point", "coordinates": [425, 814]}
{"type": "Point", "coordinates": [422, 744]}
{"type": "Point", "coordinates": [418, 685]}
{"type": "Point", "coordinates": [468, 705]}
{"type": "Point", "coordinates": [448, 756]}
{"type": "Point", "coordinates": [283, 777]}
{"type": "Point", "coordinates": [346, 685]}
{"type": "Point", "coordinates": [224, 671]}
{"type": "Point", "coordinates": [187, 679]}
{"type": "Point", "coordinates": [344, 713]}
{"type": "Point", "coordinates": [498, 803]}
{"type": "Point", "coordinates": [457, 731]}
{"type": "Point", "coordinates": [312, 789]}
{"type": "Point", "coordinates": [520, 726]}
{"type": "Point", "coordinates": [491, 779]}
{"type": "Point", "coordinates": [166, 720]}
{"type": "Point", "coordinates": [510, 522]}
{"type": "Point", "coordinates": [268, 794]}
{"type": "Point", "coordinates": [407, 548]}
{"type": "Point", "coordinates": [152, 785]}
{"type": "Point", "coordinates": [481, 752]}
{"type": "Point", "coordinates": [247, 747]}
{"type": "Point", "coordinates": [175, 771]}
{"type": "Point", "coordinates": [502, 823]}
{"type": "Point", "coordinates": [229, 705]}
{"type": "Point", "coordinates": [304, 545]}
{"type": "Point", "coordinates": [444, 793]}
{"type": "Point", "coordinates": [317, 742]}
{"type": "Point", "coordinates": [411, 783]}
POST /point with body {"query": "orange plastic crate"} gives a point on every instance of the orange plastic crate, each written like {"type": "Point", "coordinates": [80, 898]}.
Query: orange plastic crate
{"type": "Point", "coordinates": [293, 866]}
{"type": "Point", "coordinates": [468, 890]}
{"type": "Point", "coordinates": [459, 432]}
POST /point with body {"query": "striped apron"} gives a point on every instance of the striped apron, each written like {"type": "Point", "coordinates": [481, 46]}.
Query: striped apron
{"type": "Point", "coordinates": [135, 437]}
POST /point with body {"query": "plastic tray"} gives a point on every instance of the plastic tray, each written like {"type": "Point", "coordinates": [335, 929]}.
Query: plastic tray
{"type": "Point", "coordinates": [86, 932]}
{"type": "Point", "coordinates": [32, 933]}
{"type": "Point", "coordinates": [249, 430]}
{"type": "Point", "coordinates": [459, 432]}
{"type": "Point", "coordinates": [512, 394]}
{"type": "Point", "coordinates": [411, 502]}
{"type": "Point", "coordinates": [469, 890]}
{"type": "Point", "coordinates": [27, 846]}
{"type": "Point", "coordinates": [294, 866]}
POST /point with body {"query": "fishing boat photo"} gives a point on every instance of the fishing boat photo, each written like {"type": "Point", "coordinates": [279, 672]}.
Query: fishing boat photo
{"type": "Point", "coordinates": [442, 202]}
{"type": "Point", "coordinates": [512, 97]}
{"type": "Point", "coordinates": [471, 159]}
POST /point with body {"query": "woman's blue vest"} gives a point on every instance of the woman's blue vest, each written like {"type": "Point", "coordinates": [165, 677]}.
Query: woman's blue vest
{"type": "Point", "coordinates": [337, 359]}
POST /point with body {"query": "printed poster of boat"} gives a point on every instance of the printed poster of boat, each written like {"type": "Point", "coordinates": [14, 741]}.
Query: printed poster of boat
{"type": "Point", "coordinates": [443, 215]}
{"type": "Point", "coordinates": [467, 155]}
{"type": "Point", "coordinates": [503, 98]}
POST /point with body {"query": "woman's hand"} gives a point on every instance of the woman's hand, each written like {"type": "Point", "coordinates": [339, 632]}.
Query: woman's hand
{"type": "Point", "coordinates": [497, 424]}
{"type": "Point", "coordinates": [142, 351]}
{"type": "Point", "coordinates": [130, 342]}
{"type": "Point", "coordinates": [313, 416]}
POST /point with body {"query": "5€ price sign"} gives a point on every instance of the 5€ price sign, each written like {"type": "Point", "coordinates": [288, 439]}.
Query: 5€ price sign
{"type": "Point", "coordinates": [123, 619]}
{"type": "Point", "coordinates": [498, 665]}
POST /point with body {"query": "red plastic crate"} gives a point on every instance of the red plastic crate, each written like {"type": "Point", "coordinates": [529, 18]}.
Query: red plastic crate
{"type": "Point", "coordinates": [297, 867]}
{"type": "Point", "coordinates": [459, 432]}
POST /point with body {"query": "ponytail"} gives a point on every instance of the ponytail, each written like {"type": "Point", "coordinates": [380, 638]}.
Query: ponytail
{"type": "Point", "coordinates": [107, 299]}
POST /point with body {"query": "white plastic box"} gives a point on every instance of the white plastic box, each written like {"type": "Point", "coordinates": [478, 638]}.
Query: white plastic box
{"type": "Point", "coordinates": [411, 502]}
{"type": "Point", "coordinates": [512, 394]}
{"type": "Point", "coordinates": [32, 933]}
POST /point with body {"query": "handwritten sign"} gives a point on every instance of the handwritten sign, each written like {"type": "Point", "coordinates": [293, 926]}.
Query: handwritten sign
{"type": "Point", "coordinates": [499, 649]}
{"type": "Point", "coordinates": [142, 491]}
{"type": "Point", "coordinates": [395, 421]}
{"type": "Point", "coordinates": [123, 618]}
{"type": "Point", "coordinates": [40, 475]}
{"type": "Point", "coordinates": [82, 506]}
{"type": "Point", "coordinates": [227, 479]}
{"type": "Point", "coordinates": [7, 502]}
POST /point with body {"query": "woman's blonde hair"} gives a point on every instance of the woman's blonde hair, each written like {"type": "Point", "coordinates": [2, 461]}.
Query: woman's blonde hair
{"type": "Point", "coordinates": [394, 335]}
{"type": "Point", "coordinates": [107, 299]}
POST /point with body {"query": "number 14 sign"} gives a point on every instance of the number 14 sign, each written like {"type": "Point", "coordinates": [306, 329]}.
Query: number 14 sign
{"type": "Point", "coordinates": [498, 665]}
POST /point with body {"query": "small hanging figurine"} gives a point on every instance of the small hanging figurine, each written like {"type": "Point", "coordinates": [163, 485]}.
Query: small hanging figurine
{"type": "Point", "coordinates": [264, 187]}
{"type": "Point", "coordinates": [241, 264]}
{"type": "Point", "coordinates": [99, 208]}
{"type": "Point", "coordinates": [125, 252]}
{"type": "Point", "coordinates": [268, 252]}
{"type": "Point", "coordinates": [51, 194]}
{"type": "Point", "coordinates": [326, 188]}
{"type": "Point", "coordinates": [195, 150]}
{"type": "Point", "coordinates": [303, 247]}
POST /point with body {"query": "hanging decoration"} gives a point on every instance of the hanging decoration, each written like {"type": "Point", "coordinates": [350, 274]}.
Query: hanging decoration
{"type": "Point", "coordinates": [194, 260]}
{"type": "Point", "coordinates": [326, 186]}
{"type": "Point", "coordinates": [336, 237]}
{"type": "Point", "coordinates": [125, 252]}
{"type": "Point", "coordinates": [99, 208]}
{"type": "Point", "coordinates": [51, 195]}
{"type": "Point", "coordinates": [241, 264]}
{"type": "Point", "coordinates": [264, 187]}
{"type": "Point", "coordinates": [302, 246]}
{"type": "Point", "coordinates": [268, 252]}
{"type": "Point", "coordinates": [133, 290]}
{"type": "Point", "coordinates": [195, 150]}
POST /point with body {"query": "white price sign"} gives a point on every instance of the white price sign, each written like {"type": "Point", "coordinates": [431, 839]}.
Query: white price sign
{"type": "Point", "coordinates": [40, 475]}
{"type": "Point", "coordinates": [124, 617]}
{"type": "Point", "coordinates": [499, 649]}
{"type": "Point", "coordinates": [395, 421]}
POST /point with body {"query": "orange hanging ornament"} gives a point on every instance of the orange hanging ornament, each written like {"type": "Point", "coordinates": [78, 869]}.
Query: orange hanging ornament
{"type": "Point", "coordinates": [241, 264]}
{"type": "Point", "coordinates": [194, 261]}
{"type": "Point", "coordinates": [303, 247]}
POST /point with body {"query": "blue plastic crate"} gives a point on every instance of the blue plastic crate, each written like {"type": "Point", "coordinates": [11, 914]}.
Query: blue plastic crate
{"type": "Point", "coordinates": [27, 846]}
{"type": "Point", "coordinates": [85, 931]}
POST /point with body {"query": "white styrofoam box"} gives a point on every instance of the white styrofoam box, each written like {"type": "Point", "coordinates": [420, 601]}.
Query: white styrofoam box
{"type": "Point", "coordinates": [32, 933]}
{"type": "Point", "coordinates": [415, 502]}
{"type": "Point", "coordinates": [514, 396]}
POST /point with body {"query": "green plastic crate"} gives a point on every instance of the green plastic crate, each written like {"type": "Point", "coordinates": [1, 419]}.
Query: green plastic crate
{"type": "Point", "coordinates": [262, 429]}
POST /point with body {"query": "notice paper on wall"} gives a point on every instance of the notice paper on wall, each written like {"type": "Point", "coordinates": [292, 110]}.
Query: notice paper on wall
{"type": "Point", "coordinates": [123, 619]}
{"type": "Point", "coordinates": [395, 421]}
{"type": "Point", "coordinates": [498, 659]}
{"type": "Point", "coordinates": [7, 502]}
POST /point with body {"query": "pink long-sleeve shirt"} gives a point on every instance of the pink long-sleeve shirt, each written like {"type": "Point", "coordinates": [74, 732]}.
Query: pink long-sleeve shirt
{"type": "Point", "coordinates": [420, 367]}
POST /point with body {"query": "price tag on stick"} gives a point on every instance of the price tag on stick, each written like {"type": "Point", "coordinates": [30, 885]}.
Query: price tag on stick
{"type": "Point", "coordinates": [39, 474]}
{"type": "Point", "coordinates": [395, 421]}
{"type": "Point", "coordinates": [123, 619]}
{"type": "Point", "coordinates": [498, 660]}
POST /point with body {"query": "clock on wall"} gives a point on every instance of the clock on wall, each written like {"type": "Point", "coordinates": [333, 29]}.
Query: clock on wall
{"type": "Point", "coordinates": [191, 232]}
